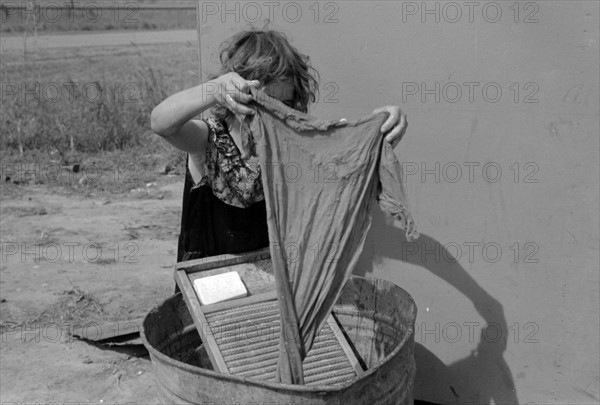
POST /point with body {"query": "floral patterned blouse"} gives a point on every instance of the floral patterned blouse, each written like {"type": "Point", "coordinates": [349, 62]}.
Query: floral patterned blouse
{"type": "Point", "coordinates": [232, 179]}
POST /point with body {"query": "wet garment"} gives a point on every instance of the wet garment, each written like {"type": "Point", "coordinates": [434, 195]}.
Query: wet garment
{"type": "Point", "coordinates": [320, 181]}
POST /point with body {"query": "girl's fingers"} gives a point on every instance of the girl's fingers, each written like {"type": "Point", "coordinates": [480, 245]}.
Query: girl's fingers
{"type": "Point", "coordinates": [245, 87]}
{"type": "Point", "coordinates": [387, 125]}
{"type": "Point", "coordinates": [395, 118]}
{"type": "Point", "coordinates": [236, 93]}
{"type": "Point", "coordinates": [397, 133]}
{"type": "Point", "coordinates": [391, 119]}
{"type": "Point", "coordinates": [243, 98]}
{"type": "Point", "coordinates": [393, 135]}
{"type": "Point", "coordinates": [241, 87]}
{"type": "Point", "coordinates": [242, 91]}
{"type": "Point", "coordinates": [237, 107]}
{"type": "Point", "coordinates": [403, 123]}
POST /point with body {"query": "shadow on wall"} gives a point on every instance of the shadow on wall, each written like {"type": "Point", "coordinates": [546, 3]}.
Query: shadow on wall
{"type": "Point", "coordinates": [484, 375]}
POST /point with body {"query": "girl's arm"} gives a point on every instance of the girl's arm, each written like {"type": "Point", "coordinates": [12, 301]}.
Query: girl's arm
{"type": "Point", "coordinates": [172, 118]}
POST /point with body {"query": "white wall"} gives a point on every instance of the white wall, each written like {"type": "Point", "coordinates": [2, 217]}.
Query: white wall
{"type": "Point", "coordinates": [541, 292]}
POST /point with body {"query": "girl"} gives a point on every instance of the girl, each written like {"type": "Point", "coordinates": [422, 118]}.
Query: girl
{"type": "Point", "coordinates": [223, 203]}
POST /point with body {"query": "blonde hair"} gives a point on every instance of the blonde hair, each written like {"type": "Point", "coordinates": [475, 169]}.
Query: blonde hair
{"type": "Point", "coordinates": [267, 56]}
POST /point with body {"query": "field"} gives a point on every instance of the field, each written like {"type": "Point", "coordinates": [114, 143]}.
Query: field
{"type": "Point", "coordinates": [90, 211]}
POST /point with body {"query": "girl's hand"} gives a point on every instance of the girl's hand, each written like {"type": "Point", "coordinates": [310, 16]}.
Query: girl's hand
{"type": "Point", "coordinates": [395, 126]}
{"type": "Point", "coordinates": [232, 92]}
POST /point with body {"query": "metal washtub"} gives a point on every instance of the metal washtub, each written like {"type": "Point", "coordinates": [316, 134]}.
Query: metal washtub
{"type": "Point", "coordinates": [376, 316]}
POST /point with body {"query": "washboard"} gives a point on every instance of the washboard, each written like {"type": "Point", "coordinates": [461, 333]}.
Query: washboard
{"type": "Point", "coordinates": [241, 336]}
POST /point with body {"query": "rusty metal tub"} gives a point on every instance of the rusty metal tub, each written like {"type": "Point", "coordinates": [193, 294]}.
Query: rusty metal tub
{"type": "Point", "coordinates": [376, 315]}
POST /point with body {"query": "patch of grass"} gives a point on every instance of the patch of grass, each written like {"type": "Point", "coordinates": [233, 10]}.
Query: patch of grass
{"type": "Point", "coordinates": [101, 124]}
{"type": "Point", "coordinates": [102, 115]}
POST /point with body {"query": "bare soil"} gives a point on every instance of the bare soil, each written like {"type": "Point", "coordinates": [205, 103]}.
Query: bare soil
{"type": "Point", "coordinates": [71, 260]}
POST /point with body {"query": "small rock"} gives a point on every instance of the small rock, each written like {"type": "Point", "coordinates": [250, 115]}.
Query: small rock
{"type": "Point", "coordinates": [73, 168]}
{"type": "Point", "coordinates": [165, 169]}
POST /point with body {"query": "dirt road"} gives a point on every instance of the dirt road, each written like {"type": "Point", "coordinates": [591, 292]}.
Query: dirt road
{"type": "Point", "coordinates": [15, 42]}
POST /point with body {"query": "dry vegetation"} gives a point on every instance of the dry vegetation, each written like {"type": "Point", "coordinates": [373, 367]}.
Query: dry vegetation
{"type": "Point", "coordinates": [91, 106]}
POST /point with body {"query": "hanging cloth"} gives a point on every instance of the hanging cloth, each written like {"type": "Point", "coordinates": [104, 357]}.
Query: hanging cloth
{"type": "Point", "coordinates": [320, 180]}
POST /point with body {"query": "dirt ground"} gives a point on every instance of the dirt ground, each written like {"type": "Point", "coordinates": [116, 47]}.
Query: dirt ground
{"type": "Point", "coordinates": [80, 260]}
